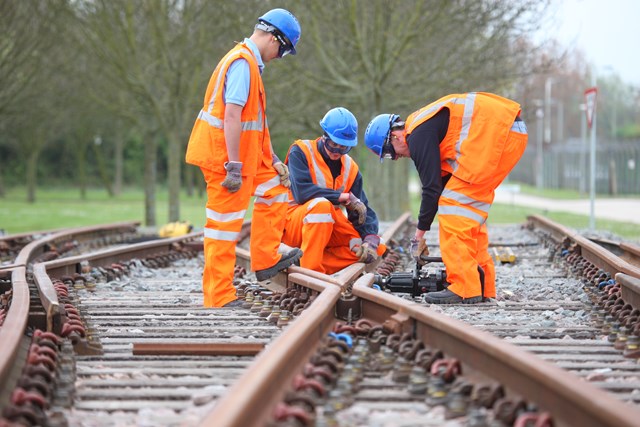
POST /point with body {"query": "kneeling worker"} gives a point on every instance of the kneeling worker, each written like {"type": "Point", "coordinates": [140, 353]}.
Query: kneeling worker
{"type": "Point", "coordinates": [324, 178]}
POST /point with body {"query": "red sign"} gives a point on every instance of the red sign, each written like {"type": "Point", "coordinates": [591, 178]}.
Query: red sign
{"type": "Point", "coordinates": [590, 101]}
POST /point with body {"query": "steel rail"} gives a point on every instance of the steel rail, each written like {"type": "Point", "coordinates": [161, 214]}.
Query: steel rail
{"type": "Point", "coordinates": [630, 289]}
{"type": "Point", "coordinates": [591, 251]}
{"type": "Point", "coordinates": [251, 399]}
{"type": "Point", "coordinates": [37, 247]}
{"type": "Point", "coordinates": [12, 331]}
{"type": "Point", "coordinates": [571, 402]}
{"type": "Point", "coordinates": [42, 272]}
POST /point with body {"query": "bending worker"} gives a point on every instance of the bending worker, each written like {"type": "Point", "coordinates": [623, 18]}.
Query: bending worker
{"type": "Point", "coordinates": [463, 146]}
{"type": "Point", "coordinates": [230, 143]}
{"type": "Point", "coordinates": [324, 178]}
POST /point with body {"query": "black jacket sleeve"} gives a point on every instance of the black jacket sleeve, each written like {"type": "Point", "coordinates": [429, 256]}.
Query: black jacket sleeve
{"type": "Point", "coordinates": [424, 148]}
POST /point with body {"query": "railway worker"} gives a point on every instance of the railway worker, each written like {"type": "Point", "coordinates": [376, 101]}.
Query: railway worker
{"type": "Point", "coordinates": [230, 143]}
{"type": "Point", "coordinates": [463, 146]}
{"type": "Point", "coordinates": [324, 178]}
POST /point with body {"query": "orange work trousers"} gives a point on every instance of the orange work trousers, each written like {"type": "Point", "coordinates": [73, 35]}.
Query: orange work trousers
{"type": "Point", "coordinates": [463, 209]}
{"type": "Point", "coordinates": [225, 215]}
{"type": "Point", "coordinates": [325, 235]}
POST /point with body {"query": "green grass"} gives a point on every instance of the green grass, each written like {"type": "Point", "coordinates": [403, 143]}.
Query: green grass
{"type": "Point", "coordinates": [62, 207]}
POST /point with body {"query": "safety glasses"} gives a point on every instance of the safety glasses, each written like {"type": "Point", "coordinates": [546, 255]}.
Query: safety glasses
{"type": "Point", "coordinates": [285, 45]}
{"type": "Point", "coordinates": [334, 148]}
{"type": "Point", "coordinates": [387, 151]}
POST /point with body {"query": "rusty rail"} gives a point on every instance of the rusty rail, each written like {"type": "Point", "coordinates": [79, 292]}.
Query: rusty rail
{"type": "Point", "coordinates": [590, 250]}
{"type": "Point", "coordinates": [43, 272]}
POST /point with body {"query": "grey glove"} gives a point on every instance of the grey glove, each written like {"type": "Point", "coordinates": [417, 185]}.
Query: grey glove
{"type": "Point", "coordinates": [357, 211]}
{"type": "Point", "coordinates": [233, 180]}
{"type": "Point", "coordinates": [282, 170]}
{"type": "Point", "coordinates": [368, 251]}
{"type": "Point", "coordinates": [418, 248]}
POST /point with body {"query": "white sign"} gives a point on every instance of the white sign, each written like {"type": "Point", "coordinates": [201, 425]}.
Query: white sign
{"type": "Point", "coordinates": [590, 100]}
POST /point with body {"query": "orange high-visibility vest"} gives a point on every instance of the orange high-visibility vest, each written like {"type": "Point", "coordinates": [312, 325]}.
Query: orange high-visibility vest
{"type": "Point", "coordinates": [207, 147]}
{"type": "Point", "coordinates": [320, 172]}
{"type": "Point", "coordinates": [475, 118]}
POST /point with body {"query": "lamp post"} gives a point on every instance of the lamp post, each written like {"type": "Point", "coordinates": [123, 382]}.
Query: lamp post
{"type": "Point", "coordinates": [539, 144]}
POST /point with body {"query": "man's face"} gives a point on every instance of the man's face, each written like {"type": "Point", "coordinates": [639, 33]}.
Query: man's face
{"type": "Point", "coordinates": [399, 143]}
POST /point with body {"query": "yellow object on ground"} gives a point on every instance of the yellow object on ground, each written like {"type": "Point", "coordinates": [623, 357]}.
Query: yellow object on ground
{"type": "Point", "coordinates": [175, 229]}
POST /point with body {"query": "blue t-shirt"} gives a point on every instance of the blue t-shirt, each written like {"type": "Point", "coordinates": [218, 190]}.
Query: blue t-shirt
{"type": "Point", "coordinates": [238, 78]}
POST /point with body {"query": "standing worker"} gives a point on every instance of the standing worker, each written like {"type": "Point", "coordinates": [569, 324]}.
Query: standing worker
{"type": "Point", "coordinates": [463, 146]}
{"type": "Point", "coordinates": [230, 143]}
{"type": "Point", "coordinates": [324, 178]}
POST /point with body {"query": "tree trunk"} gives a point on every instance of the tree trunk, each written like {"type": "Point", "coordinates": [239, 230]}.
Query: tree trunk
{"type": "Point", "coordinates": [102, 169]}
{"type": "Point", "coordinates": [174, 160]}
{"type": "Point", "coordinates": [81, 170]}
{"type": "Point", "coordinates": [118, 164]}
{"type": "Point", "coordinates": [32, 175]}
{"type": "Point", "coordinates": [150, 173]}
{"type": "Point", "coordinates": [2, 190]}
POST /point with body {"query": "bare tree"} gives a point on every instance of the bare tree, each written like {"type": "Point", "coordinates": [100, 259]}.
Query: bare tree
{"type": "Point", "coordinates": [396, 56]}
{"type": "Point", "coordinates": [158, 54]}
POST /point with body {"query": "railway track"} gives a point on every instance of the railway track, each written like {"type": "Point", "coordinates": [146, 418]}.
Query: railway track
{"type": "Point", "coordinates": [126, 342]}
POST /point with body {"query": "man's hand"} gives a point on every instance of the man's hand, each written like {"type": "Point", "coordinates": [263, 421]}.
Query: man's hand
{"type": "Point", "coordinates": [418, 248]}
{"type": "Point", "coordinates": [357, 211]}
{"type": "Point", "coordinates": [283, 171]}
{"type": "Point", "coordinates": [233, 180]}
{"type": "Point", "coordinates": [368, 251]}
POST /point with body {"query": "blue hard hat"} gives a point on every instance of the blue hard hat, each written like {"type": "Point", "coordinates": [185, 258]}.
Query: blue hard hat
{"type": "Point", "coordinates": [285, 23]}
{"type": "Point", "coordinates": [378, 132]}
{"type": "Point", "coordinates": [341, 126]}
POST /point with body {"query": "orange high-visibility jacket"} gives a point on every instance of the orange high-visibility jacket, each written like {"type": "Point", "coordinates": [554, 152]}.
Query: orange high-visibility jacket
{"type": "Point", "coordinates": [320, 172]}
{"type": "Point", "coordinates": [207, 147]}
{"type": "Point", "coordinates": [479, 124]}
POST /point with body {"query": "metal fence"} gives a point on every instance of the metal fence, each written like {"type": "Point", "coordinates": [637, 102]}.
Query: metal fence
{"type": "Point", "coordinates": [567, 166]}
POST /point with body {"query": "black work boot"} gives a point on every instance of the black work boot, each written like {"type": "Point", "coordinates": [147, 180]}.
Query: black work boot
{"type": "Point", "coordinates": [448, 297]}
{"type": "Point", "coordinates": [290, 258]}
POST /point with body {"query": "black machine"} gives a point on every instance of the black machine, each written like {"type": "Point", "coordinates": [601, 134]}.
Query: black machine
{"type": "Point", "coordinates": [421, 280]}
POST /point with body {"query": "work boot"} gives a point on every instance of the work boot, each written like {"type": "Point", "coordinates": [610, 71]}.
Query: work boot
{"type": "Point", "coordinates": [448, 297]}
{"type": "Point", "coordinates": [287, 260]}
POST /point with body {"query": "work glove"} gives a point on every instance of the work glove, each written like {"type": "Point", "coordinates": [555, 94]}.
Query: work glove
{"type": "Point", "coordinates": [368, 251]}
{"type": "Point", "coordinates": [282, 170]}
{"type": "Point", "coordinates": [233, 181]}
{"type": "Point", "coordinates": [418, 248]}
{"type": "Point", "coordinates": [356, 210]}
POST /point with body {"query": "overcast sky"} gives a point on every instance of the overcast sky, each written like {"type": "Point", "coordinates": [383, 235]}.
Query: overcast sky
{"type": "Point", "coordinates": [608, 31]}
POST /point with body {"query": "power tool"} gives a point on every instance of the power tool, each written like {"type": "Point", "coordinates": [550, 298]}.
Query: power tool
{"type": "Point", "coordinates": [421, 280]}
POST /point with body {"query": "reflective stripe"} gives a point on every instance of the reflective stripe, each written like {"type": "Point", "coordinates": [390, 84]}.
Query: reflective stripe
{"type": "Point", "coordinates": [437, 106]}
{"type": "Point", "coordinates": [460, 211]}
{"type": "Point", "coordinates": [225, 217]}
{"type": "Point", "coordinates": [316, 201]}
{"type": "Point", "coordinates": [280, 198]}
{"type": "Point", "coordinates": [320, 181]}
{"type": "Point", "coordinates": [318, 218]}
{"type": "Point", "coordinates": [519, 127]}
{"type": "Point", "coordinates": [348, 162]}
{"type": "Point", "coordinates": [466, 200]}
{"type": "Point", "coordinates": [356, 241]}
{"type": "Point", "coordinates": [262, 189]}
{"type": "Point", "coordinates": [229, 236]}
{"type": "Point", "coordinates": [466, 125]}
{"type": "Point", "coordinates": [218, 122]}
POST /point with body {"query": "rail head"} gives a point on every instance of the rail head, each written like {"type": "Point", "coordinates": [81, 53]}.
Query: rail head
{"type": "Point", "coordinates": [15, 323]}
{"type": "Point", "coordinates": [570, 400]}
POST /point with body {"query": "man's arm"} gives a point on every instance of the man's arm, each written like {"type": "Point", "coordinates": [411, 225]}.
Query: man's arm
{"type": "Point", "coordinates": [232, 130]}
{"type": "Point", "coordinates": [424, 147]}
{"type": "Point", "coordinates": [370, 225]}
